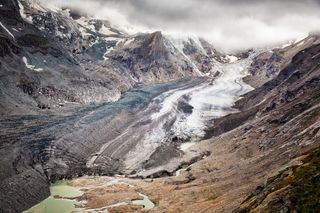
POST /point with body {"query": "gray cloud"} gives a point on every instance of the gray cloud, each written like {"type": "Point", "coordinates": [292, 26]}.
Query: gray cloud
{"type": "Point", "coordinates": [229, 24]}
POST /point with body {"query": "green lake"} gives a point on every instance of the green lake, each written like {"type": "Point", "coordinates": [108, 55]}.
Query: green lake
{"type": "Point", "coordinates": [62, 200]}
{"type": "Point", "coordinates": [145, 202]}
{"type": "Point", "coordinates": [65, 204]}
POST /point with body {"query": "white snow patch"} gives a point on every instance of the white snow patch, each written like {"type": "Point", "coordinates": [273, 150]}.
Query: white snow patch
{"type": "Point", "coordinates": [286, 45]}
{"type": "Point", "coordinates": [84, 32]}
{"type": "Point", "coordinates": [129, 41]}
{"type": "Point", "coordinates": [85, 26]}
{"type": "Point", "coordinates": [301, 38]}
{"type": "Point", "coordinates": [105, 30]}
{"type": "Point", "coordinates": [82, 21]}
{"type": "Point", "coordinates": [178, 172]}
{"type": "Point", "coordinates": [24, 15]}
{"type": "Point", "coordinates": [232, 58]}
{"type": "Point", "coordinates": [199, 45]}
{"type": "Point", "coordinates": [29, 66]}
{"type": "Point", "coordinates": [135, 80]}
{"type": "Point", "coordinates": [300, 43]}
{"type": "Point", "coordinates": [6, 30]}
{"type": "Point", "coordinates": [186, 146]}
{"type": "Point", "coordinates": [25, 61]}
{"type": "Point", "coordinates": [115, 205]}
{"type": "Point", "coordinates": [38, 69]}
{"type": "Point", "coordinates": [178, 43]}
{"type": "Point", "coordinates": [105, 56]}
{"type": "Point", "coordinates": [112, 39]}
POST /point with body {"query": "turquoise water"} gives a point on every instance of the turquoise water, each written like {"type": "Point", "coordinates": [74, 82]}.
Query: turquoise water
{"type": "Point", "coordinates": [62, 200]}
{"type": "Point", "coordinates": [58, 205]}
{"type": "Point", "coordinates": [145, 202]}
{"type": "Point", "coordinates": [53, 205]}
{"type": "Point", "coordinates": [61, 189]}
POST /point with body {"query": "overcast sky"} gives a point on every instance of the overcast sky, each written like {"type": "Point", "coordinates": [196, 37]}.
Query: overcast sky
{"type": "Point", "coordinates": [228, 24]}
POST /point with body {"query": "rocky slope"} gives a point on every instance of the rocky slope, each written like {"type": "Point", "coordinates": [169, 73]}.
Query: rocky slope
{"type": "Point", "coordinates": [53, 62]}
{"type": "Point", "coordinates": [91, 60]}
{"type": "Point", "coordinates": [60, 71]}
{"type": "Point", "coordinates": [262, 159]}
{"type": "Point", "coordinates": [294, 188]}
{"type": "Point", "coordinates": [278, 122]}
{"type": "Point", "coordinates": [268, 64]}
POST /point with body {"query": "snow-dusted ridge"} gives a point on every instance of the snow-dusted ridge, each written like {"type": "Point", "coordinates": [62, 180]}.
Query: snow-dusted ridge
{"type": "Point", "coordinates": [6, 29]}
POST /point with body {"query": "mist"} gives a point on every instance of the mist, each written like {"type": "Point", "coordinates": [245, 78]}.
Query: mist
{"type": "Point", "coordinates": [231, 25]}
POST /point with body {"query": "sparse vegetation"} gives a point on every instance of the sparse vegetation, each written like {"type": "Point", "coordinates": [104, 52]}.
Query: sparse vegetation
{"type": "Point", "coordinates": [306, 184]}
{"type": "Point", "coordinates": [210, 193]}
{"type": "Point", "coordinates": [302, 182]}
{"type": "Point", "coordinates": [208, 166]}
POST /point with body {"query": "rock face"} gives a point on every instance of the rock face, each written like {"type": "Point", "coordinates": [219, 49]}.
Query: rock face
{"type": "Point", "coordinates": [91, 60]}
{"type": "Point", "coordinates": [52, 61]}
{"type": "Point", "coordinates": [268, 64]}
{"type": "Point", "coordinates": [151, 57]}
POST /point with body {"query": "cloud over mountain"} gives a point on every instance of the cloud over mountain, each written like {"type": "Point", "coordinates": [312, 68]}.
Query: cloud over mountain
{"type": "Point", "coordinates": [229, 24]}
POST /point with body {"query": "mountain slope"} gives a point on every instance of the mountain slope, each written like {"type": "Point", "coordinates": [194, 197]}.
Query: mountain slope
{"type": "Point", "coordinates": [91, 60]}
{"type": "Point", "coordinates": [262, 159]}
{"type": "Point", "coordinates": [277, 123]}
{"type": "Point", "coordinates": [53, 62]}
{"type": "Point", "coordinates": [77, 94]}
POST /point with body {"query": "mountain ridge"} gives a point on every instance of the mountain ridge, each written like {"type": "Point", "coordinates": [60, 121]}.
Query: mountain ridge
{"type": "Point", "coordinates": [81, 97]}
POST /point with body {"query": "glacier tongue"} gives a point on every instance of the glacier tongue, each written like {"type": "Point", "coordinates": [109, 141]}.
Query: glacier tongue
{"type": "Point", "coordinates": [180, 116]}
{"type": "Point", "coordinates": [208, 101]}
